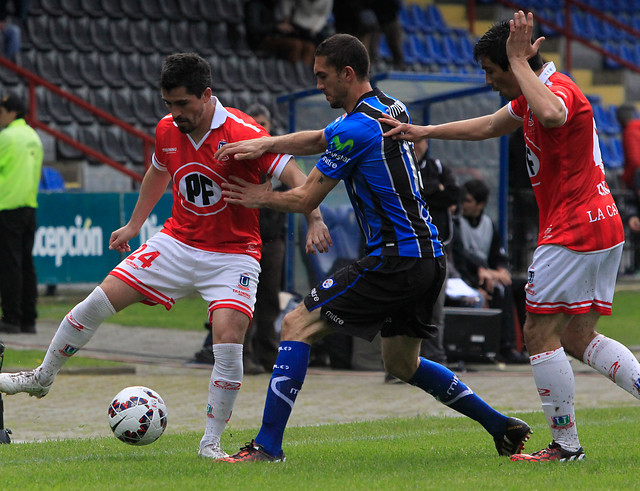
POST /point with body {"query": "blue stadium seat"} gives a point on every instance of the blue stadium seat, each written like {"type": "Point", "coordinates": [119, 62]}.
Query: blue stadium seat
{"type": "Point", "coordinates": [435, 18]}
{"type": "Point", "coordinates": [407, 20]}
{"type": "Point", "coordinates": [51, 180]}
{"type": "Point", "coordinates": [435, 47]}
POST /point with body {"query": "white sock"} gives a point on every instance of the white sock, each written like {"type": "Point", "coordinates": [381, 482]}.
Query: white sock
{"type": "Point", "coordinates": [556, 386]}
{"type": "Point", "coordinates": [225, 383]}
{"type": "Point", "coordinates": [614, 360]}
{"type": "Point", "coordinates": [75, 330]}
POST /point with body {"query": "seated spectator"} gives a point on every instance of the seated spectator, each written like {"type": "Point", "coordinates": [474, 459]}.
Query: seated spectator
{"type": "Point", "coordinates": [482, 262]}
{"type": "Point", "coordinates": [286, 28]}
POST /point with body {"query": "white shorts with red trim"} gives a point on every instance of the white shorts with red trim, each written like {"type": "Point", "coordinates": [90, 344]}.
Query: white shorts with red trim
{"type": "Point", "coordinates": [565, 281]}
{"type": "Point", "coordinates": [164, 270]}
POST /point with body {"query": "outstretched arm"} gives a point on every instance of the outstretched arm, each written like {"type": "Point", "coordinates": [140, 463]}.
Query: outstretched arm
{"type": "Point", "coordinates": [153, 186]}
{"type": "Point", "coordinates": [547, 107]}
{"type": "Point", "coordinates": [300, 143]}
{"type": "Point", "coordinates": [481, 128]}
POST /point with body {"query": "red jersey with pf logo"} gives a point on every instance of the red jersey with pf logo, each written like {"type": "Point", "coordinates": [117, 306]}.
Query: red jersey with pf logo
{"type": "Point", "coordinates": [576, 208]}
{"type": "Point", "coordinates": [200, 217]}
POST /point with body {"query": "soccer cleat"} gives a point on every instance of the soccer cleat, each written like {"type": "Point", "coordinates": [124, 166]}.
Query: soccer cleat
{"type": "Point", "coordinates": [512, 440]}
{"type": "Point", "coordinates": [12, 383]}
{"type": "Point", "coordinates": [253, 452]}
{"type": "Point", "coordinates": [212, 451]}
{"type": "Point", "coordinates": [552, 452]}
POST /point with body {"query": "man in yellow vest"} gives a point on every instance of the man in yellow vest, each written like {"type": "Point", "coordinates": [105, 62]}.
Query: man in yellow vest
{"type": "Point", "coordinates": [20, 166]}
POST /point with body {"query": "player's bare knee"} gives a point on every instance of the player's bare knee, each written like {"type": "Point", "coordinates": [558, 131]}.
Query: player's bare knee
{"type": "Point", "coordinates": [400, 368]}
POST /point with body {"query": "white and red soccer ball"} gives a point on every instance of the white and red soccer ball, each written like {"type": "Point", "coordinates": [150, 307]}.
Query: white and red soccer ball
{"type": "Point", "coordinates": [137, 415]}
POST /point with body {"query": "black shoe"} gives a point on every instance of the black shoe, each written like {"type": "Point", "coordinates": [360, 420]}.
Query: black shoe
{"type": "Point", "coordinates": [9, 328]}
{"type": "Point", "coordinates": [205, 355]}
{"type": "Point", "coordinates": [28, 329]}
{"type": "Point", "coordinates": [251, 367]}
{"type": "Point", "coordinates": [511, 442]}
{"type": "Point", "coordinates": [514, 357]}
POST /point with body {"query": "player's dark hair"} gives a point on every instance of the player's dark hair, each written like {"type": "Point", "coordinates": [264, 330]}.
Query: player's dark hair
{"type": "Point", "coordinates": [258, 110]}
{"type": "Point", "coordinates": [493, 45]}
{"type": "Point", "coordinates": [476, 188]}
{"type": "Point", "coordinates": [626, 113]}
{"type": "Point", "coordinates": [187, 70]}
{"type": "Point", "coordinates": [343, 50]}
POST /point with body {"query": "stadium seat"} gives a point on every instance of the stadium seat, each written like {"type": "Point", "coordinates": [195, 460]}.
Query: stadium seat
{"type": "Point", "coordinates": [89, 68]}
{"type": "Point", "coordinates": [170, 9]}
{"type": "Point", "coordinates": [111, 144]}
{"type": "Point", "coordinates": [38, 32]}
{"type": "Point", "coordinates": [46, 65]}
{"type": "Point", "coordinates": [79, 35]}
{"type": "Point", "coordinates": [254, 78]}
{"type": "Point", "coordinates": [121, 34]}
{"type": "Point", "coordinates": [132, 71]}
{"type": "Point", "coordinates": [68, 152]}
{"type": "Point", "coordinates": [88, 135]}
{"type": "Point", "coordinates": [114, 8]}
{"type": "Point", "coordinates": [189, 10]}
{"type": "Point", "coordinates": [122, 103]}
{"type": "Point", "coordinates": [60, 34]}
{"type": "Point", "coordinates": [100, 35]}
{"type": "Point", "coordinates": [179, 37]}
{"type": "Point", "coordinates": [133, 148]}
{"type": "Point", "coordinates": [51, 180]}
{"type": "Point", "coordinates": [111, 72]}
{"type": "Point", "coordinates": [231, 11]}
{"type": "Point", "coordinates": [434, 18]}
{"type": "Point", "coordinates": [435, 47]}
{"type": "Point", "coordinates": [242, 99]}
{"type": "Point", "coordinates": [131, 9]}
{"type": "Point", "coordinates": [141, 37]}
{"type": "Point", "coordinates": [407, 20]}
{"type": "Point", "coordinates": [149, 9]}
{"type": "Point", "coordinates": [101, 98]}
{"type": "Point", "coordinates": [200, 39]}
{"type": "Point", "coordinates": [93, 8]}
{"type": "Point", "coordinates": [144, 107]}
{"type": "Point", "coordinates": [452, 51]}
{"type": "Point", "coordinates": [150, 65]}
{"type": "Point", "coordinates": [72, 8]}
{"type": "Point", "coordinates": [160, 38]}
{"type": "Point", "coordinates": [209, 10]}
{"type": "Point", "coordinates": [51, 7]}
{"type": "Point", "coordinates": [237, 33]}
{"type": "Point", "coordinates": [217, 35]}
{"type": "Point", "coordinates": [82, 116]}
{"type": "Point", "coordinates": [68, 66]}
{"type": "Point", "coordinates": [57, 107]}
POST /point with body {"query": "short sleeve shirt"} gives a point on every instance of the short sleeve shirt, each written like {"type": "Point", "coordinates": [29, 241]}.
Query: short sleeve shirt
{"type": "Point", "coordinates": [200, 217]}
{"type": "Point", "coordinates": [576, 208]}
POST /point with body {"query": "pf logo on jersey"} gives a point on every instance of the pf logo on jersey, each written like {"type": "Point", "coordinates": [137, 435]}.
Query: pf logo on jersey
{"type": "Point", "coordinates": [199, 188]}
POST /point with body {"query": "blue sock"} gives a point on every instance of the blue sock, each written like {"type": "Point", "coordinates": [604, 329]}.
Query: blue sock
{"type": "Point", "coordinates": [286, 381]}
{"type": "Point", "coordinates": [445, 386]}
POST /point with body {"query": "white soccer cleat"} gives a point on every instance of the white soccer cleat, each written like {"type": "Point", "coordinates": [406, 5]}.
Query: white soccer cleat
{"type": "Point", "coordinates": [212, 451]}
{"type": "Point", "coordinates": [12, 383]}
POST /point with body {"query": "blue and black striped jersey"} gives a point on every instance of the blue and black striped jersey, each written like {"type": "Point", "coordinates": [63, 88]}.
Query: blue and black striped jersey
{"type": "Point", "coordinates": [381, 178]}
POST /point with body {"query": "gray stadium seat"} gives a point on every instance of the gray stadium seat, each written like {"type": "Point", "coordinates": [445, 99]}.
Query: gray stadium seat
{"type": "Point", "coordinates": [46, 65]}
{"type": "Point", "coordinates": [160, 37]}
{"type": "Point", "coordinates": [51, 7]}
{"type": "Point", "coordinates": [89, 68]}
{"type": "Point", "coordinates": [80, 35]}
{"type": "Point", "coordinates": [123, 106]}
{"type": "Point", "coordinates": [141, 37]}
{"type": "Point", "coordinates": [81, 116]}
{"type": "Point", "coordinates": [72, 8]}
{"type": "Point", "coordinates": [64, 151]}
{"type": "Point", "coordinates": [121, 33]}
{"type": "Point", "coordinates": [189, 10]}
{"type": "Point", "coordinates": [100, 35]}
{"type": "Point", "coordinates": [115, 9]}
{"type": "Point", "coordinates": [38, 31]}
{"type": "Point", "coordinates": [111, 144]}
{"type": "Point", "coordinates": [150, 9]}
{"type": "Point", "coordinates": [110, 70]}
{"type": "Point", "coordinates": [131, 68]}
{"type": "Point", "coordinates": [93, 8]}
{"type": "Point", "coordinates": [60, 34]}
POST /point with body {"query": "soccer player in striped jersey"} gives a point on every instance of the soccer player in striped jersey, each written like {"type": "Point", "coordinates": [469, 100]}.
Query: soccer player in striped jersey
{"type": "Point", "coordinates": [391, 290]}
{"type": "Point", "coordinates": [573, 272]}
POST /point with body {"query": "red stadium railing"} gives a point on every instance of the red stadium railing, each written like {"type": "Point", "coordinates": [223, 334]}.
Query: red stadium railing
{"type": "Point", "coordinates": [568, 31]}
{"type": "Point", "coordinates": [32, 118]}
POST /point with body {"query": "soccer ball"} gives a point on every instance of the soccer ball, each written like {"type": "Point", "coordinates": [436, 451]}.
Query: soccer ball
{"type": "Point", "coordinates": [137, 415]}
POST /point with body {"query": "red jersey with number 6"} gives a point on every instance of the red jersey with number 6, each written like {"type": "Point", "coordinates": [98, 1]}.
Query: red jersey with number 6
{"type": "Point", "coordinates": [575, 204]}
{"type": "Point", "coordinates": [200, 217]}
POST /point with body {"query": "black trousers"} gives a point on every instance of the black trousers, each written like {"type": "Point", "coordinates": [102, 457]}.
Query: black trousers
{"type": "Point", "coordinates": [261, 341]}
{"type": "Point", "coordinates": [18, 282]}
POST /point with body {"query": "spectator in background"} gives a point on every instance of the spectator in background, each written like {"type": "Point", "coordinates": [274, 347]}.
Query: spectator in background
{"type": "Point", "coordinates": [21, 156]}
{"type": "Point", "coordinates": [440, 192]}
{"type": "Point", "coordinates": [10, 31]}
{"type": "Point", "coordinates": [628, 118]}
{"type": "Point", "coordinates": [367, 20]}
{"type": "Point", "coordinates": [482, 262]}
{"type": "Point", "coordinates": [287, 28]}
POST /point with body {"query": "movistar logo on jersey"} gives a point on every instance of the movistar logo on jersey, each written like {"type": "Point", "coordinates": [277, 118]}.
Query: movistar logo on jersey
{"type": "Point", "coordinates": [339, 146]}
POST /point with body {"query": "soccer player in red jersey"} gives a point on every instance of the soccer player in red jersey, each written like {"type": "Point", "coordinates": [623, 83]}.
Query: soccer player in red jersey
{"type": "Point", "coordinates": [573, 272]}
{"type": "Point", "coordinates": [207, 246]}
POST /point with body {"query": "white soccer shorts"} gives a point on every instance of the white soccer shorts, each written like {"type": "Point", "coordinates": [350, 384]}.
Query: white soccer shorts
{"type": "Point", "coordinates": [562, 280]}
{"type": "Point", "coordinates": [164, 270]}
